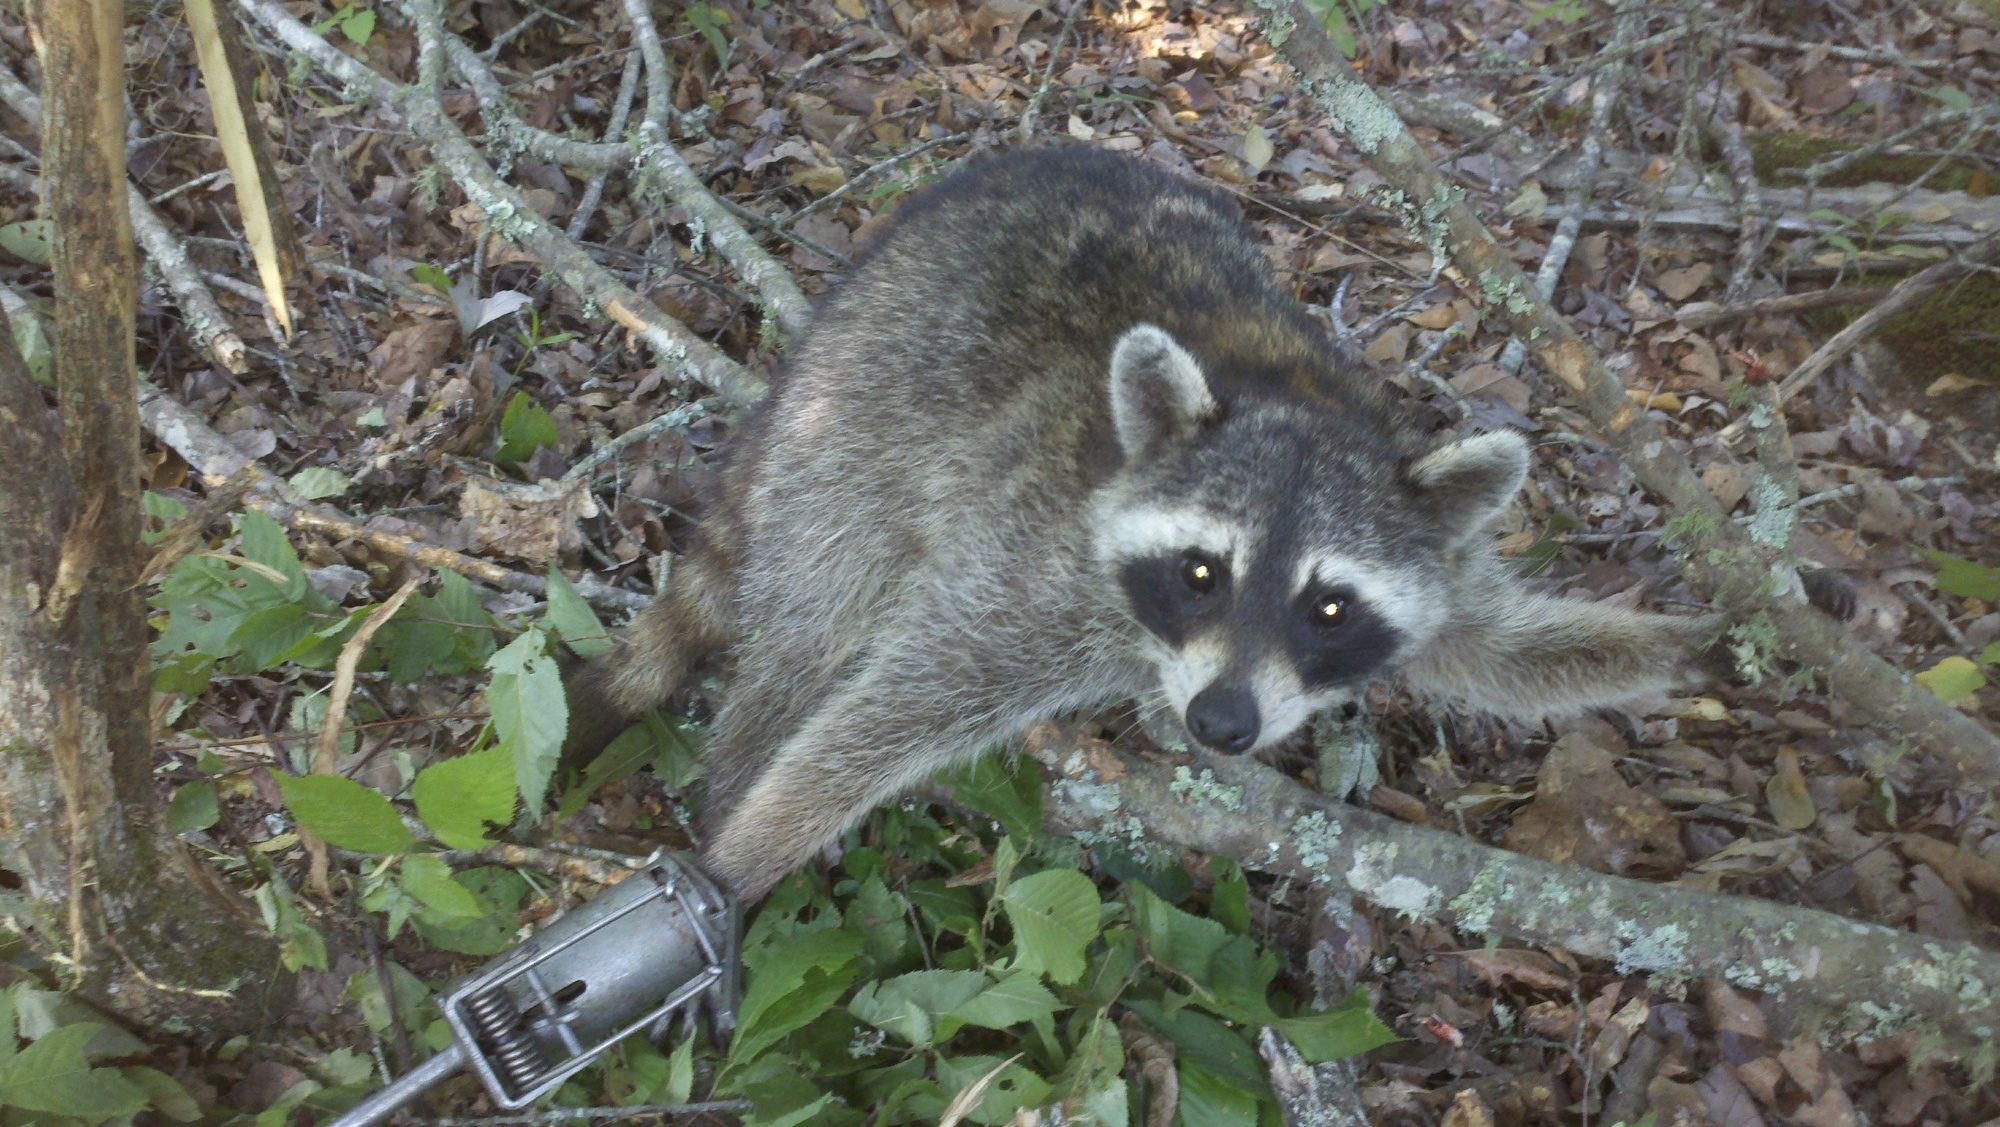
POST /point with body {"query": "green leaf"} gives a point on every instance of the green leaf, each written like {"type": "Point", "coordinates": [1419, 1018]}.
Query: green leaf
{"type": "Point", "coordinates": [317, 482]}
{"type": "Point", "coordinates": [264, 542]}
{"type": "Point", "coordinates": [1229, 897]}
{"type": "Point", "coordinates": [500, 892]}
{"type": "Point", "coordinates": [709, 21]}
{"type": "Point", "coordinates": [1015, 1000]}
{"type": "Point", "coordinates": [31, 340]}
{"type": "Point", "coordinates": [343, 813]}
{"type": "Point", "coordinates": [572, 620]}
{"type": "Point", "coordinates": [1009, 788]}
{"type": "Point", "coordinates": [1205, 1041]}
{"type": "Point", "coordinates": [433, 277]}
{"type": "Point", "coordinates": [28, 240]}
{"type": "Point", "coordinates": [529, 712]}
{"type": "Point", "coordinates": [429, 880]}
{"type": "Point", "coordinates": [357, 26]}
{"type": "Point", "coordinates": [797, 979]}
{"type": "Point", "coordinates": [1964, 578]}
{"type": "Point", "coordinates": [1343, 1031]}
{"type": "Point", "coordinates": [1952, 679]}
{"type": "Point", "coordinates": [164, 1093]}
{"type": "Point", "coordinates": [525, 427]}
{"type": "Point", "coordinates": [1014, 1088]}
{"type": "Point", "coordinates": [1054, 916]}
{"type": "Point", "coordinates": [1183, 942]}
{"type": "Point", "coordinates": [1990, 655]}
{"type": "Point", "coordinates": [909, 1005]}
{"type": "Point", "coordinates": [1206, 1097]}
{"type": "Point", "coordinates": [52, 1076]}
{"type": "Point", "coordinates": [459, 798]}
{"type": "Point", "coordinates": [193, 808]}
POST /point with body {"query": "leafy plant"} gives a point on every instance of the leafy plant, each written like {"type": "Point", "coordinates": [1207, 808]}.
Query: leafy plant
{"type": "Point", "coordinates": [525, 427]}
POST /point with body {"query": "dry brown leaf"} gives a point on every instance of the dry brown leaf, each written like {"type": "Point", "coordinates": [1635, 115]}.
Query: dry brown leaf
{"type": "Point", "coordinates": [535, 523]}
{"type": "Point", "coordinates": [1532, 969]}
{"type": "Point", "coordinates": [1584, 813]}
{"type": "Point", "coordinates": [1952, 382]}
{"type": "Point", "coordinates": [1681, 284]}
{"type": "Point", "coordinates": [1790, 801]}
{"type": "Point", "coordinates": [1467, 1110]}
{"type": "Point", "coordinates": [1731, 1011]}
{"type": "Point", "coordinates": [1728, 481]}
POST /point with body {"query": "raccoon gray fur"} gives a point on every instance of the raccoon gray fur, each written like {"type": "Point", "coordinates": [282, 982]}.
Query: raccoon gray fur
{"type": "Point", "coordinates": [1059, 440]}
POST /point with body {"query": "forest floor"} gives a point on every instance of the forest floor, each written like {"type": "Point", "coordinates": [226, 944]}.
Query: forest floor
{"type": "Point", "coordinates": [820, 116]}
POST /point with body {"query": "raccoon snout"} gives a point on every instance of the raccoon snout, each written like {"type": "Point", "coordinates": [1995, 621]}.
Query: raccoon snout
{"type": "Point", "coordinates": [1223, 718]}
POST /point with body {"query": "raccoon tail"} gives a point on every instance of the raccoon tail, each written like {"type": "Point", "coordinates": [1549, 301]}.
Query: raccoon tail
{"type": "Point", "coordinates": [691, 618]}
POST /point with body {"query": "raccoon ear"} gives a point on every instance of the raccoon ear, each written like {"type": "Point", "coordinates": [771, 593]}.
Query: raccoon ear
{"type": "Point", "coordinates": [1157, 389]}
{"type": "Point", "coordinates": [1470, 481]}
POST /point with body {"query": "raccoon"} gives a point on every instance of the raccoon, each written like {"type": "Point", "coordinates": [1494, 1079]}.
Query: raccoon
{"type": "Point", "coordinates": [1060, 440]}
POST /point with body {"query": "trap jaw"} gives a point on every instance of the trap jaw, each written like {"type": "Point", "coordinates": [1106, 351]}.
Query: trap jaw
{"type": "Point", "coordinates": [658, 947]}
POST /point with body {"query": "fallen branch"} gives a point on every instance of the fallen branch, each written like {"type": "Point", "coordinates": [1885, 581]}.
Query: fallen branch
{"type": "Point", "coordinates": [1713, 551]}
{"type": "Point", "coordinates": [1907, 293]}
{"type": "Point", "coordinates": [205, 320]}
{"type": "Point", "coordinates": [1869, 980]}
{"type": "Point", "coordinates": [212, 456]}
{"type": "Point", "coordinates": [509, 216]}
{"type": "Point", "coordinates": [1708, 314]}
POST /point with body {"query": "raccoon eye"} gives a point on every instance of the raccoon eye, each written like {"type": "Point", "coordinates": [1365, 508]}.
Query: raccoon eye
{"type": "Point", "coordinates": [1200, 573]}
{"type": "Point", "coordinates": [1329, 610]}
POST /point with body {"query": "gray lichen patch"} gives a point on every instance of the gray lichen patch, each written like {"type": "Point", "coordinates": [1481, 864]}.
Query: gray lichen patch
{"type": "Point", "coordinates": [1373, 875]}
{"type": "Point", "coordinates": [1205, 789]}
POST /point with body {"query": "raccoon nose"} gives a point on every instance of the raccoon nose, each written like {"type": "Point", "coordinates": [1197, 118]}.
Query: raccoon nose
{"type": "Point", "coordinates": [1224, 719]}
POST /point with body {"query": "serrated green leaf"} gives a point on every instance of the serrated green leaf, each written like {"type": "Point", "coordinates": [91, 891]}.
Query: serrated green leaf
{"type": "Point", "coordinates": [1054, 916]}
{"type": "Point", "coordinates": [459, 798]}
{"type": "Point", "coordinates": [193, 807]}
{"type": "Point", "coordinates": [1009, 788]}
{"type": "Point", "coordinates": [343, 813]}
{"type": "Point", "coordinates": [1952, 679]}
{"type": "Point", "coordinates": [1014, 1087]}
{"type": "Point", "coordinates": [530, 714]}
{"type": "Point", "coordinates": [525, 427]}
{"type": "Point", "coordinates": [429, 880]}
{"type": "Point", "coordinates": [909, 1005]}
{"type": "Point", "coordinates": [1015, 1000]}
{"type": "Point", "coordinates": [1205, 1041]}
{"type": "Point", "coordinates": [572, 620]}
{"type": "Point", "coordinates": [358, 26]}
{"type": "Point", "coordinates": [51, 1076]}
{"type": "Point", "coordinates": [798, 979]}
{"type": "Point", "coordinates": [263, 541]}
{"type": "Point", "coordinates": [1341, 1032]}
{"type": "Point", "coordinates": [1963, 578]}
{"type": "Point", "coordinates": [1206, 1097]}
{"type": "Point", "coordinates": [317, 482]}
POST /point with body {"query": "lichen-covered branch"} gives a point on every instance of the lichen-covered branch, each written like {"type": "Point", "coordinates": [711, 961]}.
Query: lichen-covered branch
{"type": "Point", "coordinates": [1860, 979]}
{"type": "Point", "coordinates": [1713, 550]}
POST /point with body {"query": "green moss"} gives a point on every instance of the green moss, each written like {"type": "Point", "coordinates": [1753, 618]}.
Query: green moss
{"type": "Point", "coordinates": [1951, 331]}
{"type": "Point", "coordinates": [1779, 156]}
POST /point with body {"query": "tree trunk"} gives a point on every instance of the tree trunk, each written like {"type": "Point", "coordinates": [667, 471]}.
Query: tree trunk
{"type": "Point", "coordinates": [136, 925]}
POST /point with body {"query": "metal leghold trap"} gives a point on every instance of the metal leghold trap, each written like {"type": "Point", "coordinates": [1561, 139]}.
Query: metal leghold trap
{"type": "Point", "coordinates": [661, 946]}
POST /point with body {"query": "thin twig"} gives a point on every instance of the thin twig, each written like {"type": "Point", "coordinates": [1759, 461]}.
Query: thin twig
{"type": "Point", "coordinates": [1034, 106]}
{"type": "Point", "coordinates": [1708, 314]}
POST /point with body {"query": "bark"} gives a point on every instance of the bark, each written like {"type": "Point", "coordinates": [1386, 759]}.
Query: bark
{"type": "Point", "coordinates": [1861, 979]}
{"type": "Point", "coordinates": [135, 924]}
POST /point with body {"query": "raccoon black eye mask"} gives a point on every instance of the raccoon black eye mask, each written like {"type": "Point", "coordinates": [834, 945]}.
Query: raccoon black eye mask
{"type": "Point", "coordinates": [1077, 358]}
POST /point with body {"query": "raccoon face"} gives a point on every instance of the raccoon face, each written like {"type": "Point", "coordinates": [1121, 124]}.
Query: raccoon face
{"type": "Point", "coordinates": [1276, 562]}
